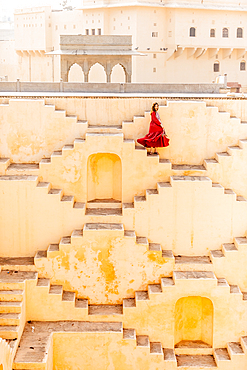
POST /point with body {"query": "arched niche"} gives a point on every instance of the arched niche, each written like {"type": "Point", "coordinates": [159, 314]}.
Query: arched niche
{"type": "Point", "coordinates": [104, 176]}
{"type": "Point", "coordinates": [194, 321]}
{"type": "Point", "coordinates": [75, 73]}
{"type": "Point", "coordinates": [118, 74]}
{"type": "Point", "coordinates": [97, 73]}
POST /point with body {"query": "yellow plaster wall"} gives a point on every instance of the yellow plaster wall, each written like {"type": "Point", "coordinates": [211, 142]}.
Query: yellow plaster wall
{"type": "Point", "coordinates": [5, 355]}
{"type": "Point", "coordinates": [104, 177]}
{"type": "Point", "coordinates": [189, 217]}
{"type": "Point", "coordinates": [38, 130]}
{"type": "Point", "coordinates": [31, 130]}
{"type": "Point", "coordinates": [104, 266]}
{"type": "Point", "coordinates": [103, 351]}
{"type": "Point", "coordinates": [117, 109]}
{"type": "Point", "coordinates": [156, 317]}
{"type": "Point", "coordinates": [31, 218]}
{"type": "Point", "coordinates": [194, 320]}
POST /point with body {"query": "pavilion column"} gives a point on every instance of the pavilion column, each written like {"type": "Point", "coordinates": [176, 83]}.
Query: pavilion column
{"type": "Point", "coordinates": [108, 71]}
{"type": "Point", "coordinates": [86, 70]}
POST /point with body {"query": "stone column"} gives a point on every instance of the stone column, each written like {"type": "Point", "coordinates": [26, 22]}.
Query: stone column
{"type": "Point", "coordinates": [108, 71]}
{"type": "Point", "coordinates": [128, 77]}
{"type": "Point", "coordinates": [85, 70]}
{"type": "Point", "coordinates": [64, 70]}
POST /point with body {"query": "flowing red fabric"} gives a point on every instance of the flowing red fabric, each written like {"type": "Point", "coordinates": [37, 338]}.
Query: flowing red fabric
{"type": "Point", "coordinates": [155, 138]}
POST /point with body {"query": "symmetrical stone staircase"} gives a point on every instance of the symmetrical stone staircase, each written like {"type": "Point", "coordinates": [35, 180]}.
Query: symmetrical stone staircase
{"type": "Point", "coordinates": [36, 341]}
{"type": "Point", "coordinates": [108, 237]}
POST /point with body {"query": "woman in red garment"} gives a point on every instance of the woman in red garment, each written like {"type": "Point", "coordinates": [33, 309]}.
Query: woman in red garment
{"type": "Point", "coordinates": [156, 138]}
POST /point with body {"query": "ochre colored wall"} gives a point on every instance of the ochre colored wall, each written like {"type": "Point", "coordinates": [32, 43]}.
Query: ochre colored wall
{"type": "Point", "coordinates": [104, 266]}
{"type": "Point", "coordinates": [194, 320]}
{"type": "Point", "coordinates": [104, 177]}
{"type": "Point", "coordinates": [103, 351]}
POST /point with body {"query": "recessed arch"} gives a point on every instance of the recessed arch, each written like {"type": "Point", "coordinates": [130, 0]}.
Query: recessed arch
{"type": "Point", "coordinates": [239, 33]}
{"type": "Point", "coordinates": [104, 176]}
{"type": "Point", "coordinates": [225, 32]}
{"type": "Point", "coordinates": [118, 74]}
{"type": "Point", "coordinates": [192, 32]}
{"type": "Point", "coordinates": [75, 73]}
{"type": "Point", "coordinates": [194, 320]}
{"type": "Point", "coordinates": [216, 66]}
{"type": "Point", "coordinates": [243, 65]}
{"type": "Point", "coordinates": [97, 73]}
{"type": "Point", "coordinates": [212, 32]}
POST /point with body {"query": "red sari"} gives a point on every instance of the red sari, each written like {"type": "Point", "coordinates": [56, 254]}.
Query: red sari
{"type": "Point", "coordinates": [156, 137]}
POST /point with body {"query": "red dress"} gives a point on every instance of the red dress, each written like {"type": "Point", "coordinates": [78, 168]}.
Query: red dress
{"type": "Point", "coordinates": [155, 138]}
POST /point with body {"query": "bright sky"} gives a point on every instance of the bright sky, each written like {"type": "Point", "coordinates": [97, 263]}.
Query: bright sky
{"type": "Point", "coordinates": [10, 5]}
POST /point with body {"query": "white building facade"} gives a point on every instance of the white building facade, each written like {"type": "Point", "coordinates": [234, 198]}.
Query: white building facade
{"type": "Point", "coordinates": [183, 41]}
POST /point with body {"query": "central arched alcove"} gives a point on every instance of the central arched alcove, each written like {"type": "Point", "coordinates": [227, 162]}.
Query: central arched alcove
{"type": "Point", "coordinates": [194, 321]}
{"type": "Point", "coordinates": [118, 74]}
{"type": "Point", "coordinates": [104, 176]}
{"type": "Point", "coordinates": [75, 73]}
{"type": "Point", "coordinates": [97, 73]}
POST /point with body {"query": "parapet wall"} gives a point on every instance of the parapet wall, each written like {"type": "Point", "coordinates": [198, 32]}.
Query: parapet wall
{"type": "Point", "coordinates": [74, 87]}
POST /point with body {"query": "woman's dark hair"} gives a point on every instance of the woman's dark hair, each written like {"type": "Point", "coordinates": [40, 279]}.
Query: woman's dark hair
{"type": "Point", "coordinates": [152, 109]}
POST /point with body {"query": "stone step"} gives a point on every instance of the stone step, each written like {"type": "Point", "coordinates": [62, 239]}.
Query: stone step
{"type": "Point", "coordinates": [188, 167]}
{"type": "Point", "coordinates": [129, 334]}
{"type": "Point", "coordinates": [56, 192]}
{"type": "Point", "coordinates": [243, 341]}
{"type": "Point", "coordinates": [142, 341]}
{"type": "Point", "coordinates": [23, 168]}
{"type": "Point", "coordinates": [68, 296]}
{"type": "Point", "coordinates": [217, 253]}
{"type": "Point", "coordinates": [103, 212]}
{"type": "Point", "coordinates": [234, 289]}
{"type": "Point", "coordinates": [241, 243]}
{"type": "Point", "coordinates": [167, 282]}
{"type": "Point", "coordinates": [104, 128]}
{"type": "Point", "coordinates": [81, 303]}
{"type": "Point", "coordinates": [195, 362]}
{"type": "Point", "coordinates": [10, 307]}
{"type": "Point", "coordinates": [196, 347]}
{"type": "Point", "coordinates": [15, 279]}
{"type": "Point", "coordinates": [43, 283]}
{"type": "Point", "coordinates": [223, 283]}
{"type": "Point", "coordinates": [36, 338]}
{"type": "Point", "coordinates": [9, 331]}
{"type": "Point", "coordinates": [194, 275]}
{"type": "Point", "coordinates": [104, 203]}
{"type": "Point", "coordinates": [40, 254]}
{"type": "Point", "coordinates": [221, 355]}
{"type": "Point", "coordinates": [192, 263]}
{"type": "Point", "coordinates": [235, 349]}
{"type": "Point", "coordinates": [154, 289]}
{"type": "Point", "coordinates": [105, 309]}
{"type": "Point", "coordinates": [11, 319]}
{"type": "Point", "coordinates": [169, 356]}
{"type": "Point", "coordinates": [114, 227]}
{"type": "Point", "coordinates": [19, 178]}
{"type": "Point", "coordinates": [68, 198]}
{"type": "Point", "coordinates": [229, 247]}
{"type": "Point", "coordinates": [56, 289]}
{"type": "Point", "coordinates": [141, 296]}
{"type": "Point", "coordinates": [156, 348]}
{"type": "Point", "coordinates": [142, 240]}
{"type": "Point", "coordinates": [129, 303]}
{"type": "Point", "coordinates": [11, 295]}
{"type": "Point", "coordinates": [17, 263]}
